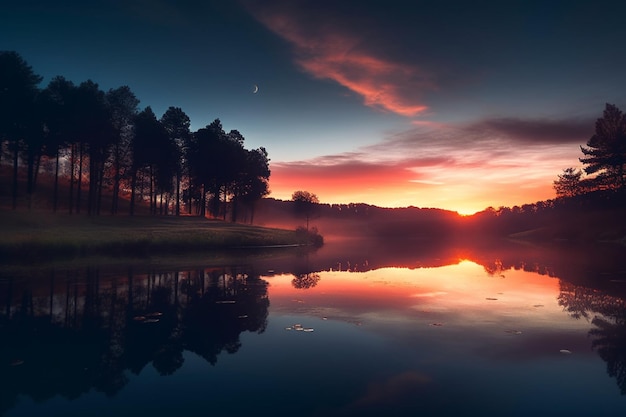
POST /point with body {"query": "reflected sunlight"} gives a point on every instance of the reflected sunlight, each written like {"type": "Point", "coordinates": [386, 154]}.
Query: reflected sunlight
{"type": "Point", "coordinates": [453, 294]}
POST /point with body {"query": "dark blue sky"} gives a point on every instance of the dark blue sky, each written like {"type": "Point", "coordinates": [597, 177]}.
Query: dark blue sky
{"type": "Point", "coordinates": [393, 103]}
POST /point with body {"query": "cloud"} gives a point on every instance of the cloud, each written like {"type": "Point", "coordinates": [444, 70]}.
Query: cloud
{"type": "Point", "coordinates": [346, 171]}
{"type": "Point", "coordinates": [538, 131]}
{"type": "Point", "coordinates": [505, 134]}
{"type": "Point", "coordinates": [327, 48]}
{"type": "Point", "coordinates": [356, 169]}
{"type": "Point", "coordinates": [464, 166]}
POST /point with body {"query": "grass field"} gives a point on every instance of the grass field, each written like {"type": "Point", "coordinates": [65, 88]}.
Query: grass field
{"type": "Point", "coordinates": [31, 235]}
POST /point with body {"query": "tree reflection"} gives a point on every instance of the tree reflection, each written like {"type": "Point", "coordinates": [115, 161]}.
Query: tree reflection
{"type": "Point", "coordinates": [494, 268]}
{"type": "Point", "coordinates": [609, 319]}
{"type": "Point", "coordinates": [576, 300]}
{"type": "Point", "coordinates": [168, 359]}
{"type": "Point", "coordinates": [84, 332]}
{"type": "Point", "coordinates": [610, 342]}
{"type": "Point", "coordinates": [305, 281]}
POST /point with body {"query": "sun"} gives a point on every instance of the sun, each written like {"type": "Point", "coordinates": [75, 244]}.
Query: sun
{"type": "Point", "coordinates": [466, 211]}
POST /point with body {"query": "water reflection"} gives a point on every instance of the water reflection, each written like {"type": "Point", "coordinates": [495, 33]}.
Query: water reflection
{"type": "Point", "coordinates": [84, 329]}
{"type": "Point", "coordinates": [395, 327]}
{"type": "Point", "coordinates": [305, 280]}
{"type": "Point", "coordinates": [608, 314]}
{"type": "Point", "coordinates": [591, 281]}
{"type": "Point", "coordinates": [577, 263]}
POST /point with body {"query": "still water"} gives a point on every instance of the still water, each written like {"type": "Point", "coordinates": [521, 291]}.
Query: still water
{"type": "Point", "coordinates": [349, 330]}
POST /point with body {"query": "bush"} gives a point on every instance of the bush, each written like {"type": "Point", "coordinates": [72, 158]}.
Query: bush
{"type": "Point", "coordinates": [310, 236]}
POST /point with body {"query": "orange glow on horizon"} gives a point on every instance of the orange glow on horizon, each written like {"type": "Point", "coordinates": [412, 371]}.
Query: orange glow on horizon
{"type": "Point", "coordinates": [397, 188]}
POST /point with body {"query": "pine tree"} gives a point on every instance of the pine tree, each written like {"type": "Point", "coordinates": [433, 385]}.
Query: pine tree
{"type": "Point", "coordinates": [569, 184]}
{"type": "Point", "coordinates": [605, 154]}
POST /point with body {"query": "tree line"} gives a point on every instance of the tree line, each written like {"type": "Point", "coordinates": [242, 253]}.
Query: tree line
{"type": "Point", "coordinates": [600, 185]}
{"type": "Point", "coordinates": [589, 201]}
{"type": "Point", "coordinates": [604, 159]}
{"type": "Point", "coordinates": [101, 142]}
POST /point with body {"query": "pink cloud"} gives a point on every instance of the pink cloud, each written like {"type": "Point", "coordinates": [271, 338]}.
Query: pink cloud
{"type": "Point", "coordinates": [328, 51]}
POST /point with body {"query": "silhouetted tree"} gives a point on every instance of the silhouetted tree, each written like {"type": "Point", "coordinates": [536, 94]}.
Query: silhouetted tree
{"type": "Point", "coordinates": [208, 158]}
{"type": "Point", "coordinates": [149, 134]}
{"type": "Point", "coordinates": [97, 133]}
{"type": "Point", "coordinates": [254, 182]}
{"type": "Point", "coordinates": [605, 154]}
{"type": "Point", "coordinates": [73, 126]}
{"type": "Point", "coordinates": [33, 144]}
{"type": "Point", "coordinates": [568, 183]}
{"type": "Point", "coordinates": [63, 122]}
{"type": "Point", "coordinates": [58, 118]}
{"type": "Point", "coordinates": [305, 204]}
{"type": "Point", "coordinates": [166, 165]}
{"type": "Point", "coordinates": [18, 89]}
{"type": "Point", "coordinates": [123, 106]}
{"type": "Point", "coordinates": [232, 173]}
{"type": "Point", "coordinates": [177, 124]}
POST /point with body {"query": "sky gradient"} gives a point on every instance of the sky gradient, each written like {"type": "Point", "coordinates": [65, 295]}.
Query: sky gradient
{"type": "Point", "coordinates": [457, 105]}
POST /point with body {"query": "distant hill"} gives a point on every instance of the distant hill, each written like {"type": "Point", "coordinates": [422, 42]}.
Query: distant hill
{"type": "Point", "coordinates": [360, 219]}
{"type": "Point", "coordinates": [595, 217]}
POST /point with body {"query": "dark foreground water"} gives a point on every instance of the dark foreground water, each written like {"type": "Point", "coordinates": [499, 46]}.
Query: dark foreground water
{"type": "Point", "coordinates": [352, 330]}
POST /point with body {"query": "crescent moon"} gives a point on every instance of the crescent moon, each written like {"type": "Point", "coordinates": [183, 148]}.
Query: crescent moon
{"type": "Point", "coordinates": [256, 89]}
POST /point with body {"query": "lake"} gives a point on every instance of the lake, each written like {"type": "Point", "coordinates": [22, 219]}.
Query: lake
{"type": "Point", "coordinates": [353, 329]}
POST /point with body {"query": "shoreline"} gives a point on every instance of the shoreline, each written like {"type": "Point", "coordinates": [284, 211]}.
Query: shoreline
{"type": "Point", "coordinates": [34, 236]}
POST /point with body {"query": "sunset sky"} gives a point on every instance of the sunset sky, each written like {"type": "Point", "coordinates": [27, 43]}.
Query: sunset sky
{"type": "Point", "coordinates": [452, 104]}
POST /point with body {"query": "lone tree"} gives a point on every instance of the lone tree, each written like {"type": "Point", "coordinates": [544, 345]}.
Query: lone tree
{"type": "Point", "coordinates": [569, 183]}
{"type": "Point", "coordinates": [605, 154]}
{"type": "Point", "coordinates": [305, 204]}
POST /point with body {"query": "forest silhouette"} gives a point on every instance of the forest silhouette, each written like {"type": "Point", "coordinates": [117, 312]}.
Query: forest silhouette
{"type": "Point", "coordinates": [100, 140]}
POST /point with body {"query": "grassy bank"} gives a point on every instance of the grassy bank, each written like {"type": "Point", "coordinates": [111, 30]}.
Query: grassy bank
{"type": "Point", "coordinates": [33, 235]}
